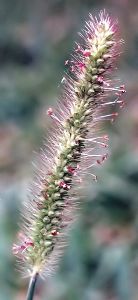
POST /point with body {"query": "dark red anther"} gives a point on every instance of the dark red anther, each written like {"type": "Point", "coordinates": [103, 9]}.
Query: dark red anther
{"type": "Point", "coordinates": [22, 247]}
{"type": "Point", "coordinates": [50, 111]}
{"type": "Point", "coordinates": [64, 185]}
{"type": "Point", "coordinates": [122, 87]}
{"type": "Point", "coordinates": [54, 232]}
{"type": "Point", "coordinates": [98, 162]}
{"type": "Point", "coordinates": [104, 157]}
{"type": "Point", "coordinates": [105, 145]}
{"type": "Point", "coordinates": [17, 248]}
{"type": "Point", "coordinates": [29, 243]}
{"type": "Point", "coordinates": [70, 170]}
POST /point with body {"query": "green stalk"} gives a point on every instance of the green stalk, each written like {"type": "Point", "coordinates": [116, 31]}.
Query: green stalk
{"type": "Point", "coordinates": [31, 288]}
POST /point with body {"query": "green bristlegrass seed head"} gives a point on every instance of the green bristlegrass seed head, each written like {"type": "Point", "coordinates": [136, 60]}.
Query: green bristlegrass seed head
{"type": "Point", "coordinates": [73, 145]}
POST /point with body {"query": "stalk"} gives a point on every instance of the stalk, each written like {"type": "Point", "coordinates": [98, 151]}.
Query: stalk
{"type": "Point", "coordinates": [31, 288]}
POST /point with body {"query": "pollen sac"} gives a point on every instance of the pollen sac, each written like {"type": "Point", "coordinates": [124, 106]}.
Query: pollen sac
{"type": "Point", "coordinates": [54, 232]}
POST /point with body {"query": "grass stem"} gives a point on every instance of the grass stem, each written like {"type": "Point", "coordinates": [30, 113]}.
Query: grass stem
{"type": "Point", "coordinates": [31, 288]}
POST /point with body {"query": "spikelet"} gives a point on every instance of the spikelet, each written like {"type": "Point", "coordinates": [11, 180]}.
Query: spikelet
{"type": "Point", "coordinates": [75, 145]}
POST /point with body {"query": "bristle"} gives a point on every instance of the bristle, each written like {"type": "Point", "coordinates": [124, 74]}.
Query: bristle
{"type": "Point", "coordinates": [76, 144]}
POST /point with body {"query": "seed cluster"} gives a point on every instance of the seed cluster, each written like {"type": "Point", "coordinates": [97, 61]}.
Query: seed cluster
{"type": "Point", "coordinates": [83, 97]}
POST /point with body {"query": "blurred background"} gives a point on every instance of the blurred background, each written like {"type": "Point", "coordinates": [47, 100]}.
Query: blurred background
{"type": "Point", "coordinates": [36, 37]}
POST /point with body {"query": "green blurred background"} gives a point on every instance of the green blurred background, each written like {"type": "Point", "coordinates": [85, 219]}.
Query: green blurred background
{"type": "Point", "coordinates": [36, 37]}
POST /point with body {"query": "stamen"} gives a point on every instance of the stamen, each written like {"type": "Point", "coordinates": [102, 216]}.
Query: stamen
{"type": "Point", "coordinates": [53, 116]}
{"type": "Point", "coordinates": [93, 175]}
{"type": "Point", "coordinates": [54, 232]}
{"type": "Point", "coordinates": [64, 185]}
{"type": "Point", "coordinates": [107, 117]}
{"type": "Point", "coordinates": [66, 62]}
